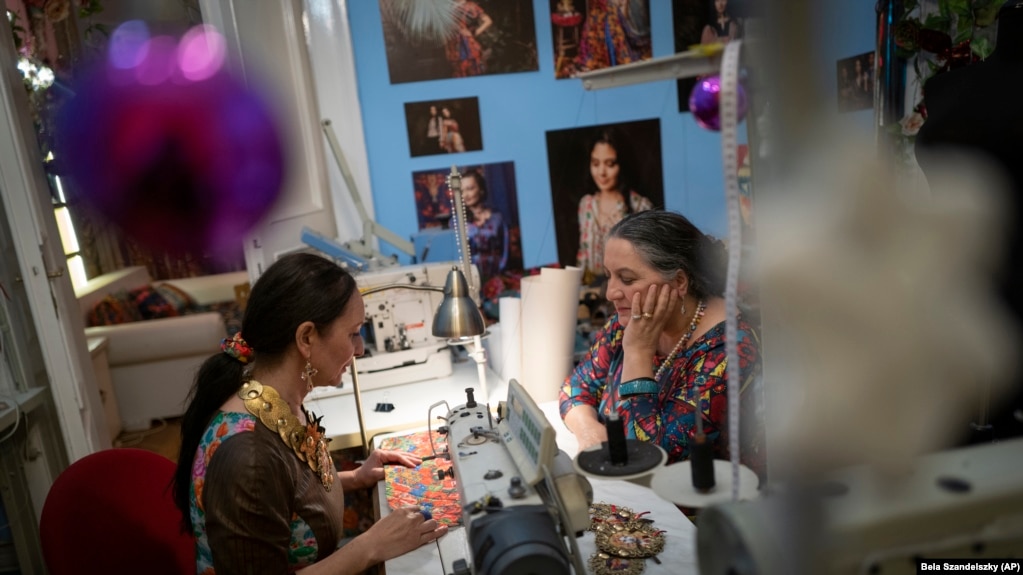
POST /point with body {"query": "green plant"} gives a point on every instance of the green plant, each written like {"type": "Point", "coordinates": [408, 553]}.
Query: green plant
{"type": "Point", "coordinates": [937, 36]}
{"type": "Point", "coordinates": [95, 33]}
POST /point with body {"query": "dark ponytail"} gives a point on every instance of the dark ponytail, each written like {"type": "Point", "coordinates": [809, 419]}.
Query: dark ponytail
{"type": "Point", "coordinates": [217, 380]}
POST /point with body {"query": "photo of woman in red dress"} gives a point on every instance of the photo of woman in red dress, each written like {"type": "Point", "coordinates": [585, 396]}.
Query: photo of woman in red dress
{"type": "Point", "coordinates": [463, 50]}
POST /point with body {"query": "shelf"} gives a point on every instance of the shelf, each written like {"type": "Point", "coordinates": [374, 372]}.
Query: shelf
{"type": "Point", "coordinates": [682, 65]}
{"type": "Point", "coordinates": [27, 401]}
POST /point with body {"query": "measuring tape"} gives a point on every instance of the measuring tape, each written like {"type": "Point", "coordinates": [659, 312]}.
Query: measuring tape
{"type": "Point", "coordinates": [728, 108]}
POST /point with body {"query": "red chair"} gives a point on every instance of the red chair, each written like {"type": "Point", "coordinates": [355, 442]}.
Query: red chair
{"type": "Point", "coordinates": [112, 512]}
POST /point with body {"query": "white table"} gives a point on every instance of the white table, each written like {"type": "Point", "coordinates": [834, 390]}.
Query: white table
{"type": "Point", "coordinates": [411, 402]}
{"type": "Point", "coordinates": [678, 557]}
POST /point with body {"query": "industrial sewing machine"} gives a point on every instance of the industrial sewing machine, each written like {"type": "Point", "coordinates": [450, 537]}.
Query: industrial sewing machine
{"type": "Point", "coordinates": [523, 504]}
{"type": "Point", "coordinates": [964, 504]}
{"type": "Point", "coordinates": [400, 346]}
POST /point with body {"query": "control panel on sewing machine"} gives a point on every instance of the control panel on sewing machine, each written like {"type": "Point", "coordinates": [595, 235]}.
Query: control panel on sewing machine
{"type": "Point", "coordinates": [523, 503]}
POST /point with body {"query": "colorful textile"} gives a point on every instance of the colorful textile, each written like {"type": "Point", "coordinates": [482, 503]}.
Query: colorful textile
{"type": "Point", "coordinates": [463, 50]}
{"type": "Point", "coordinates": [116, 308]}
{"type": "Point", "coordinates": [242, 465]}
{"type": "Point", "coordinates": [176, 297]}
{"type": "Point", "coordinates": [667, 418]}
{"type": "Point", "coordinates": [592, 232]}
{"type": "Point", "coordinates": [236, 347]}
{"type": "Point", "coordinates": [151, 303]}
{"type": "Point", "coordinates": [432, 208]}
{"type": "Point", "coordinates": [419, 485]}
{"type": "Point", "coordinates": [609, 39]}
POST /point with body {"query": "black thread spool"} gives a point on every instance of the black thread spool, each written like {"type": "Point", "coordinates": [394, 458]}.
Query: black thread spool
{"type": "Point", "coordinates": [618, 449]}
{"type": "Point", "coordinates": [618, 456]}
{"type": "Point", "coordinates": [701, 456]}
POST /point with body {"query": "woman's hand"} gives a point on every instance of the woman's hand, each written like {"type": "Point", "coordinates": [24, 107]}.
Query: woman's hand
{"type": "Point", "coordinates": [372, 470]}
{"type": "Point", "coordinates": [582, 421]}
{"type": "Point", "coordinates": [654, 309]}
{"type": "Point", "coordinates": [403, 530]}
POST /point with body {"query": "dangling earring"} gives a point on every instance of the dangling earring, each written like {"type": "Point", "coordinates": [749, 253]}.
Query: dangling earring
{"type": "Point", "coordinates": [307, 375]}
{"type": "Point", "coordinates": [683, 310]}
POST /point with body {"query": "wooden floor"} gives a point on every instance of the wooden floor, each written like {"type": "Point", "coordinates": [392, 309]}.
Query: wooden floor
{"type": "Point", "coordinates": [163, 438]}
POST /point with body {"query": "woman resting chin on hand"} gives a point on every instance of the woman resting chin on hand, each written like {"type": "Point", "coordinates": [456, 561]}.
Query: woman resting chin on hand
{"type": "Point", "coordinates": [664, 349]}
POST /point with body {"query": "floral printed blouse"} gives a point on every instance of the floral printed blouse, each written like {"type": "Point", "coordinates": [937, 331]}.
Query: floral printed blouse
{"type": "Point", "coordinates": [668, 418]}
{"type": "Point", "coordinates": [256, 503]}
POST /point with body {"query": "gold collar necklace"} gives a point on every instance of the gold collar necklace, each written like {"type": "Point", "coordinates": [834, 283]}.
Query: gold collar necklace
{"type": "Point", "coordinates": [306, 441]}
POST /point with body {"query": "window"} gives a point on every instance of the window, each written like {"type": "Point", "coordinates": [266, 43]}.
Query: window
{"type": "Point", "coordinates": [68, 237]}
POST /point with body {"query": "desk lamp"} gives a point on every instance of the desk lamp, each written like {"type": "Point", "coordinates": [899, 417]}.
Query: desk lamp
{"type": "Point", "coordinates": [457, 320]}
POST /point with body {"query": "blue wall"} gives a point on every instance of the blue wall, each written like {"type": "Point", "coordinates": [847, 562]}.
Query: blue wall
{"type": "Point", "coordinates": [516, 110]}
{"type": "Point", "coordinates": [844, 29]}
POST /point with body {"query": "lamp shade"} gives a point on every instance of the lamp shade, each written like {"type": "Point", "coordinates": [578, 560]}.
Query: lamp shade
{"type": "Point", "coordinates": [457, 317]}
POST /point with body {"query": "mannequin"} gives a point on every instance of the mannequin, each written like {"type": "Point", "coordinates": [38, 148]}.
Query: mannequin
{"type": "Point", "coordinates": [977, 108]}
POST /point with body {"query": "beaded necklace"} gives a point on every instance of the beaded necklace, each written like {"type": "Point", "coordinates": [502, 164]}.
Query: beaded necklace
{"type": "Point", "coordinates": [701, 307]}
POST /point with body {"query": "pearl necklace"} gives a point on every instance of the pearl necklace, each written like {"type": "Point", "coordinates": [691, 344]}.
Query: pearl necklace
{"type": "Point", "coordinates": [700, 309]}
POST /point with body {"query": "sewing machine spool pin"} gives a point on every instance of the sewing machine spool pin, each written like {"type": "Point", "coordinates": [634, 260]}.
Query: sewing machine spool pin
{"type": "Point", "coordinates": [618, 450]}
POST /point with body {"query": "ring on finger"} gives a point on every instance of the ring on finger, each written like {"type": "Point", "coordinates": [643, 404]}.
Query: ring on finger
{"type": "Point", "coordinates": [635, 316]}
{"type": "Point", "coordinates": [647, 315]}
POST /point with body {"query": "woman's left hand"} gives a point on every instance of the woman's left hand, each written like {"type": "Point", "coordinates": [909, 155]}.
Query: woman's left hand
{"type": "Point", "coordinates": [654, 309]}
{"type": "Point", "coordinates": [372, 470]}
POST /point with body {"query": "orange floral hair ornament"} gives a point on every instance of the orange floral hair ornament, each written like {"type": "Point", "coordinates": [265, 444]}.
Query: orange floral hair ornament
{"type": "Point", "coordinates": [237, 348]}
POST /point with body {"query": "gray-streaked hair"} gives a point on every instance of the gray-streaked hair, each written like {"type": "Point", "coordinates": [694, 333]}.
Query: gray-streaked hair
{"type": "Point", "coordinates": [669, 243]}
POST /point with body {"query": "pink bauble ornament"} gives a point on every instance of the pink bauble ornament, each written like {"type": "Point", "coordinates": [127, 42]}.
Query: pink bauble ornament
{"type": "Point", "coordinates": [704, 102]}
{"type": "Point", "coordinates": [170, 147]}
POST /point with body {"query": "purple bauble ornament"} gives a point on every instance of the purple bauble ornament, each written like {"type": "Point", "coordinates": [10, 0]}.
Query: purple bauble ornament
{"type": "Point", "coordinates": [704, 102]}
{"type": "Point", "coordinates": [168, 146]}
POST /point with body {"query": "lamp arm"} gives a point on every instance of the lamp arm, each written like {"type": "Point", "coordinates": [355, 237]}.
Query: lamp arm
{"type": "Point", "coordinates": [386, 287]}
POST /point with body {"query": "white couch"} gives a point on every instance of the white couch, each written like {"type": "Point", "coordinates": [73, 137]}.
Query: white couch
{"type": "Point", "coordinates": [153, 362]}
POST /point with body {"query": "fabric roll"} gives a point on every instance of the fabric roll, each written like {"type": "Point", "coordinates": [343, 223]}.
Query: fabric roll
{"type": "Point", "coordinates": [550, 305]}
{"type": "Point", "coordinates": [510, 310]}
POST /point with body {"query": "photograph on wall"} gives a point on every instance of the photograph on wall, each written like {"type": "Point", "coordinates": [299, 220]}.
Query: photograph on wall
{"type": "Point", "coordinates": [856, 82]}
{"type": "Point", "coordinates": [491, 212]}
{"type": "Point", "coordinates": [598, 175]}
{"type": "Point", "coordinates": [596, 34]}
{"type": "Point", "coordinates": [443, 126]}
{"type": "Point", "coordinates": [437, 39]}
{"type": "Point", "coordinates": [705, 22]}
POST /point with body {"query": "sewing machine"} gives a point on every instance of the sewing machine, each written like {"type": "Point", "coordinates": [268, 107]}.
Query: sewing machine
{"type": "Point", "coordinates": [964, 504]}
{"type": "Point", "coordinates": [400, 346]}
{"type": "Point", "coordinates": [523, 504]}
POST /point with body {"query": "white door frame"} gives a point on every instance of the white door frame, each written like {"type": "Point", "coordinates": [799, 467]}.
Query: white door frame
{"type": "Point", "coordinates": [55, 310]}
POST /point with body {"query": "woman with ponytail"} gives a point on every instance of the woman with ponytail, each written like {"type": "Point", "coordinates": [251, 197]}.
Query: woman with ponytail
{"type": "Point", "coordinates": [255, 481]}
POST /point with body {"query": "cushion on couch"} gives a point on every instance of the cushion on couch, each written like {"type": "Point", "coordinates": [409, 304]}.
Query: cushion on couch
{"type": "Point", "coordinates": [176, 297]}
{"type": "Point", "coordinates": [116, 308]}
{"type": "Point", "coordinates": [151, 304]}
